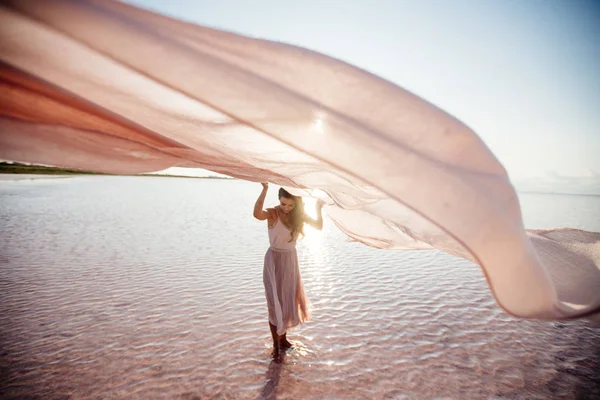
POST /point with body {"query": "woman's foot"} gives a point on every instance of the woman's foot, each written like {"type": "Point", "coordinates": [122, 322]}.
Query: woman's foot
{"type": "Point", "coordinates": [275, 352]}
{"type": "Point", "coordinates": [284, 343]}
{"type": "Point", "coordinates": [276, 341]}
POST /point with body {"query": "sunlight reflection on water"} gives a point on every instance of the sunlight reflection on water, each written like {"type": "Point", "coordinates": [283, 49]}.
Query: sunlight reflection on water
{"type": "Point", "coordinates": [120, 287]}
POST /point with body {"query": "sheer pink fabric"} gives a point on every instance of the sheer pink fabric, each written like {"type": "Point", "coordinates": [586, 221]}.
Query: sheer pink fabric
{"type": "Point", "coordinates": [104, 86]}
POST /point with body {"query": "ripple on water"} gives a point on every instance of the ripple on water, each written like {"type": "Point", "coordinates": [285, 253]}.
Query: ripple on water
{"type": "Point", "coordinates": [106, 295]}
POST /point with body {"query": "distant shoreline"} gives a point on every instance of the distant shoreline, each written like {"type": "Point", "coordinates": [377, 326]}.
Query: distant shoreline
{"type": "Point", "coordinates": [16, 168]}
{"type": "Point", "coordinates": [557, 193]}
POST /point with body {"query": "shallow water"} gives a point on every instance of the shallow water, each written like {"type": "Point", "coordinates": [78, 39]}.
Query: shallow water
{"type": "Point", "coordinates": [146, 287]}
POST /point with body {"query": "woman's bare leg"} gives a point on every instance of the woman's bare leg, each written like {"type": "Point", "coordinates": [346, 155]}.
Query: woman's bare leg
{"type": "Point", "coordinates": [276, 340]}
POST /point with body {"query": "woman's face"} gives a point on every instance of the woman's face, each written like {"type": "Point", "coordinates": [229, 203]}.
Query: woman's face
{"type": "Point", "coordinates": [286, 204]}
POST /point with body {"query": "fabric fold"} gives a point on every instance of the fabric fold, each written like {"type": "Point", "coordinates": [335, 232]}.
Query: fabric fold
{"type": "Point", "coordinates": [108, 87]}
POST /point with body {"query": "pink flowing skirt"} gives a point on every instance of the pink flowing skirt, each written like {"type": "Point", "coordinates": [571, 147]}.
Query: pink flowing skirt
{"type": "Point", "coordinates": [286, 300]}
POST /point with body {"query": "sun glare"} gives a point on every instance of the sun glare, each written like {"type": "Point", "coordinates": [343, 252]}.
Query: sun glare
{"type": "Point", "coordinates": [319, 124]}
{"type": "Point", "coordinates": [312, 237]}
{"type": "Point", "coordinates": [309, 206]}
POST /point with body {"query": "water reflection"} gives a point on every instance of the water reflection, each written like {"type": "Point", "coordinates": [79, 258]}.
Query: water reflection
{"type": "Point", "coordinates": [271, 384]}
{"type": "Point", "coordinates": [106, 294]}
{"type": "Point", "coordinates": [577, 375]}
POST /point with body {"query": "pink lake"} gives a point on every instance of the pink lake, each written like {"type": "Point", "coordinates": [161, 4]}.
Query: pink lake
{"type": "Point", "coordinates": [151, 288]}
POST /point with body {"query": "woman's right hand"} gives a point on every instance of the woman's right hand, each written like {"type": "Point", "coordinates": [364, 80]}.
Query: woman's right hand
{"type": "Point", "coordinates": [265, 185]}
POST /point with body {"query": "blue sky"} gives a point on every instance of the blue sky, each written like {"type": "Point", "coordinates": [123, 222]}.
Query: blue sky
{"type": "Point", "coordinates": [524, 74]}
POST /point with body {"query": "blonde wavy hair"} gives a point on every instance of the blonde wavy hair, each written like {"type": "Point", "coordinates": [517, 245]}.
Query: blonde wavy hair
{"type": "Point", "coordinates": [296, 216]}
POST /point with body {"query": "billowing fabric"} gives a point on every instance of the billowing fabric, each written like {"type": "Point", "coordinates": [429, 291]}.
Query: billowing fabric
{"type": "Point", "coordinates": [104, 86]}
{"type": "Point", "coordinates": [286, 300]}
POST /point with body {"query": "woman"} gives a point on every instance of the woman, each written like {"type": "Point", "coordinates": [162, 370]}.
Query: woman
{"type": "Point", "coordinates": [286, 300]}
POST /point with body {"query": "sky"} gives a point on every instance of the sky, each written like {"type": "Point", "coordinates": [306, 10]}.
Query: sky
{"type": "Point", "coordinates": [524, 74]}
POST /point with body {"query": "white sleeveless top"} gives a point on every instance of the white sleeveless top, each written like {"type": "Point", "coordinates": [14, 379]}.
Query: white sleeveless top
{"type": "Point", "coordinates": [279, 237]}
